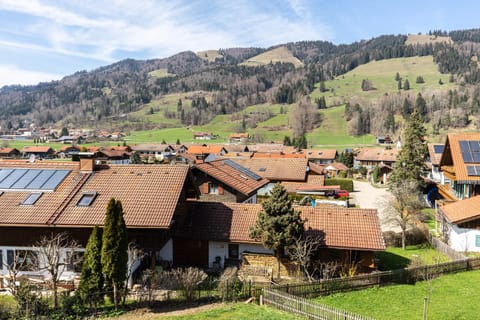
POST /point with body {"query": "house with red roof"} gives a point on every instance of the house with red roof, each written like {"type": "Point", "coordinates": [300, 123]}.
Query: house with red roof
{"type": "Point", "coordinates": [40, 152]}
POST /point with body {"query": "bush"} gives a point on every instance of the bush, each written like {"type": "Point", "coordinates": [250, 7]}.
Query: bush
{"type": "Point", "coordinates": [345, 184]}
{"type": "Point", "coordinates": [30, 303]}
{"type": "Point", "coordinates": [229, 285]}
{"type": "Point", "coordinates": [187, 280]}
{"type": "Point", "coordinates": [413, 236]}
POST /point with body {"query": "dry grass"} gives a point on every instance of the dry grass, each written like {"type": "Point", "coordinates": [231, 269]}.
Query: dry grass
{"type": "Point", "coordinates": [160, 73]}
{"type": "Point", "coordinates": [280, 54]}
{"type": "Point", "coordinates": [209, 55]}
{"type": "Point", "coordinates": [426, 39]}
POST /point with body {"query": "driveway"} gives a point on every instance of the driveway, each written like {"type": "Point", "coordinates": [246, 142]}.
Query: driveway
{"type": "Point", "coordinates": [368, 197]}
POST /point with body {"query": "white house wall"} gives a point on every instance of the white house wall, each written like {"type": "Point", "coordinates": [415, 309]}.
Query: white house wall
{"type": "Point", "coordinates": [464, 240]}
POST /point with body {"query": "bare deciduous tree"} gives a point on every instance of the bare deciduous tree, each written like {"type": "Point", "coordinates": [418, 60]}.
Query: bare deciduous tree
{"type": "Point", "coordinates": [404, 205]}
{"type": "Point", "coordinates": [302, 251]}
{"type": "Point", "coordinates": [54, 251]}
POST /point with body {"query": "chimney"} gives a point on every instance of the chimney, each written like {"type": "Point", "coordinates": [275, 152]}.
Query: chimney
{"type": "Point", "coordinates": [87, 161]}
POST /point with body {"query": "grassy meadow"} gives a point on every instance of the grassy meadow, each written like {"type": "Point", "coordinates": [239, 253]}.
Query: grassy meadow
{"type": "Point", "coordinates": [453, 297]}
{"type": "Point", "coordinates": [382, 75]}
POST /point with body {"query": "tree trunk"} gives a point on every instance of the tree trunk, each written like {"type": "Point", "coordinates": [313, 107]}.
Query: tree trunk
{"type": "Point", "coordinates": [115, 295]}
{"type": "Point", "coordinates": [403, 239]}
{"type": "Point", "coordinates": [55, 294]}
{"type": "Point", "coordinates": [278, 266]}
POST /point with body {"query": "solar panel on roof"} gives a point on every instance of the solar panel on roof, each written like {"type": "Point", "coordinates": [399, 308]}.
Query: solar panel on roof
{"type": "Point", "coordinates": [473, 170]}
{"type": "Point", "coordinates": [38, 182]}
{"type": "Point", "coordinates": [55, 180]}
{"type": "Point", "coordinates": [31, 179]}
{"type": "Point", "coordinates": [242, 169]}
{"type": "Point", "coordinates": [4, 173]}
{"type": "Point", "coordinates": [438, 149]}
{"type": "Point", "coordinates": [470, 151]}
{"type": "Point", "coordinates": [12, 178]}
{"type": "Point", "coordinates": [26, 179]}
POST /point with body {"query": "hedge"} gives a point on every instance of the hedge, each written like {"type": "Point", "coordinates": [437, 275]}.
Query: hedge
{"type": "Point", "coordinates": [345, 184]}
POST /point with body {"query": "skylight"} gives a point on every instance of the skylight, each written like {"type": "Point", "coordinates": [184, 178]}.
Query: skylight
{"type": "Point", "coordinates": [87, 199]}
{"type": "Point", "coordinates": [32, 198]}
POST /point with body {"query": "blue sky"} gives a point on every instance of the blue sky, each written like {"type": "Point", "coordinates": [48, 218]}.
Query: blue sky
{"type": "Point", "coordinates": [41, 40]}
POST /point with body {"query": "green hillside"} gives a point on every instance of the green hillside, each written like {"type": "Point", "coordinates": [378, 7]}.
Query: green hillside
{"type": "Point", "coordinates": [382, 76]}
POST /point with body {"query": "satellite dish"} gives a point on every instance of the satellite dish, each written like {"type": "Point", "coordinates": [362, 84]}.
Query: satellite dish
{"type": "Point", "coordinates": [32, 158]}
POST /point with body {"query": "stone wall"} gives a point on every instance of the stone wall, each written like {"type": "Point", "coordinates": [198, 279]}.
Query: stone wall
{"type": "Point", "coordinates": [288, 269]}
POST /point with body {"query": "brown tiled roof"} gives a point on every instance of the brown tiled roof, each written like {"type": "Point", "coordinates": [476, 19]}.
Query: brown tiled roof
{"type": "Point", "coordinates": [37, 149]}
{"type": "Point", "coordinates": [316, 168]}
{"type": "Point", "coordinates": [452, 153]}
{"type": "Point", "coordinates": [377, 154]}
{"type": "Point", "coordinates": [278, 155]}
{"type": "Point", "coordinates": [154, 147]}
{"type": "Point", "coordinates": [231, 176]}
{"type": "Point", "coordinates": [149, 195]}
{"type": "Point", "coordinates": [277, 169]}
{"type": "Point", "coordinates": [322, 154]}
{"type": "Point", "coordinates": [7, 151]}
{"type": "Point", "coordinates": [463, 210]}
{"type": "Point", "coordinates": [66, 148]}
{"type": "Point", "coordinates": [434, 157]}
{"type": "Point", "coordinates": [313, 181]}
{"type": "Point", "coordinates": [269, 147]}
{"type": "Point", "coordinates": [341, 228]}
{"type": "Point", "coordinates": [12, 213]}
{"type": "Point", "coordinates": [337, 166]}
{"type": "Point", "coordinates": [239, 135]}
{"type": "Point", "coordinates": [199, 149]}
{"type": "Point", "coordinates": [232, 147]}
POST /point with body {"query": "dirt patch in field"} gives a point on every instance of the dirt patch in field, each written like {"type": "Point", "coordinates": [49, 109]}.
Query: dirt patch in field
{"type": "Point", "coordinates": [168, 310]}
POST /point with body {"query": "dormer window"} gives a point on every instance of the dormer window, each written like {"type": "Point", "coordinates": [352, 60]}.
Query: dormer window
{"type": "Point", "coordinates": [87, 199]}
{"type": "Point", "coordinates": [32, 198]}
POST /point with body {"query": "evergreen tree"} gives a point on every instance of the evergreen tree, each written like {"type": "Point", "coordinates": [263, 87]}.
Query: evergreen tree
{"type": "Point", "coordinates": [91, 279]}
{"type": "Point", "coordinates": [420, 80]}
{"type": "Point", "coordinates": [178, 142]}
{"type": "Point", "coordinates": [287, 141]}
{"type": "Point", "coordinates": [451, 79]}
{"type": "Point", "coordinates": [406, 85]}
{"type": "Point", "coordinates": [301, 142]}
{"type": "Point", "coordinates": [421, 106]}
{"type": "Point", "coordinates": [114, 248]}
{"type": "Point", "coordinates": [64, 132]}
{"type": "Point", "coordinates": [163, 141]}
{"type": "Point", "coordinates": [278, 224]}
{"type": "Point", "coordinates": [397, 77]}
{"type": "Point", "coordinates": [411, 158]}
{"type": "Point", "coordinates": [399, 84]}
{"type": "Point", "coordinates": [406, 108]}
{"type": "Point", "coordinates": [321, 103]}
{"type": "Point", "coordinates": [322, 86]}
{"type": "Point", "coordinates": [135, 158]}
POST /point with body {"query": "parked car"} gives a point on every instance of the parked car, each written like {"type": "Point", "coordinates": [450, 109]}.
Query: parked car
{"type": "Point", "coordinates": [341, 193]}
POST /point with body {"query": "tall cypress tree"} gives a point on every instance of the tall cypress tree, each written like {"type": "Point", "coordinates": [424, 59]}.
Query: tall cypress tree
{"type": "Point", "coordinates": [91, 280]}
{"type": "Point", "coordinates": [278, 224]}
{"type": "Point", "coordinates": [411, 158]}
{"type": "Point", "coordinates": [114, 248]}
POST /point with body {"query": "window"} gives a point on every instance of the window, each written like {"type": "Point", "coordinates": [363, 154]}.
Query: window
{"type": "Point", "coordinates": [212, 188]}
{"type": "Point", "coordinates": [74, 261]}
{"type": "Point", "coordinates": [233, 251]}
{"type": "Point", "coordinates": [22, 260]}
{"type": "Point", "coordinates": [32, 198]}
{"type": "Point", "coordinates": [477, 241]}
{"type": "Point", "coordinates": [86, 199]}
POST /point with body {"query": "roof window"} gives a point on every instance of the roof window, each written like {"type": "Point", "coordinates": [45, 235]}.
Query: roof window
{"type": "Point", "coordinates": [87, 199]}
{"type": "Point", "coordinates": [32, 198]}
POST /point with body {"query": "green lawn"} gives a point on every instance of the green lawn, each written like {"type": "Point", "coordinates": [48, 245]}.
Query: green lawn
{"type": "Point", "coordinates": [396, 258]}
{"type": "Point", "coordinates": [455, 297]}
{"type": "Point", "coordinates": [238, 311]}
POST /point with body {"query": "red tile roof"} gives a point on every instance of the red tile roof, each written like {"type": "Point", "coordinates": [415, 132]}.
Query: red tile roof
{"type": "Point", "coordinates": [452, 155]}
{"type": "Point", "coordinates": [463, 210]}
{"type": "Point", "coordinates": [149, 193]}
{"type": "Point", "coordinates": [199, 149]}
{"type": "Point", "coordinates": [341, 228]}
{"type": "Point", "coordinates": [321, 154]}
{"type": "Point", "coordinates": [43, 149]}
{"type": "Point", "coordinates": [231, 176]}
{"type": "Point", "coordinates": [434, 157]}
{"type": "Point", "coordinates": [278, 155]}
{"type": "Point", "coordinates": [313, 181]}
{"type": "Point", "coordinates": [276, 169]}
{"type": "Point", "coordinates": [377, 154]}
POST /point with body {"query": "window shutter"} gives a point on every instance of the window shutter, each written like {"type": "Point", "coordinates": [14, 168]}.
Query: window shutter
{"type": "Point", "coordinates": [220, 189]}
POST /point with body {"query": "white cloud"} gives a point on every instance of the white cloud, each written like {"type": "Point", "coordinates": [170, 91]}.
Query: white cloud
{"type": "Point", "coordinates": [10, 75]}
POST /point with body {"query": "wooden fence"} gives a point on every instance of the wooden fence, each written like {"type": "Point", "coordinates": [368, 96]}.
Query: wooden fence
{"type": "Point", "coordinates": [399, 276]}
{"type": "Point", "coordinates": [442, 247]}
{"type": "Point", "coordinates": [303, 307]}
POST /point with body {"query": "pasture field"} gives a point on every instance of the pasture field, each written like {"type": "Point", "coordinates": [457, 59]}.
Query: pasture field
{"type": "Point", "coordinates": [453, 297]}
{"type": "Point", "coordinates": [280, 54]}
{"type": "Point", "coordinates": [160, 73]}
{"type": "Point", "coordinates": [382, 75]}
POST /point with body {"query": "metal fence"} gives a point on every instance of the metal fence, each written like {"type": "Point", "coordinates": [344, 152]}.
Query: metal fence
{"type": "Point", "coordinates": [303, 307]}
